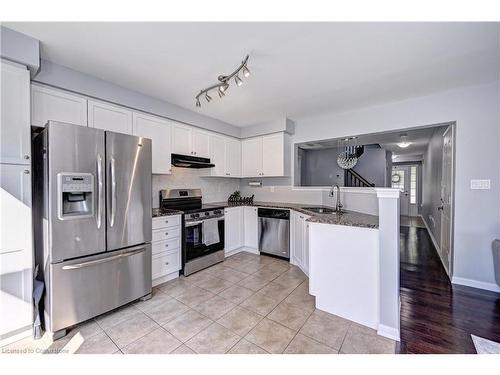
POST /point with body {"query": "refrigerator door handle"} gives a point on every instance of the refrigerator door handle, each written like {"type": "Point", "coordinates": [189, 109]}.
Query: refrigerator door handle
{"type": "Point", "coordinates": [99, 191]}
{"type": "Point", "coordinates": [104, 260]}
{"type": "Point", "coordinates": [113, 193]}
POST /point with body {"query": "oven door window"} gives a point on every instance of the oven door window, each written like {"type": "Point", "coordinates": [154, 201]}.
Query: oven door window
{"type": "Point", "coordinates": [195, 247]}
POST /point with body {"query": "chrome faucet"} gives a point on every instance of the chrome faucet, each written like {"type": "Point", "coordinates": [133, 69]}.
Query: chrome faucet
{"type": "Point", "coordinates": [338, 205]}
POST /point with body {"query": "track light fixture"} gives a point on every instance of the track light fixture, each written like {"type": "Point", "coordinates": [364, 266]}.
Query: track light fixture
{"type": "Point", "coordinates": [223, 83]}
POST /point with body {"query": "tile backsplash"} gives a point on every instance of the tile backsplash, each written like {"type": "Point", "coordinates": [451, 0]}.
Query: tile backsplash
{"type": "Point", "coordinates": [214, 189]}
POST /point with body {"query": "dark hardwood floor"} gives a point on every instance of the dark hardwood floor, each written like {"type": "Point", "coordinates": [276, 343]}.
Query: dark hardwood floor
{"type": "Point", "coordinates": [436, 317]}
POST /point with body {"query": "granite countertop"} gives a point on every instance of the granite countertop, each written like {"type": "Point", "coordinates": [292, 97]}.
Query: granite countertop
{"type": "Point", "coordinates": [158, 212]}
{"type": "Point", "coordinates": [348, 218]}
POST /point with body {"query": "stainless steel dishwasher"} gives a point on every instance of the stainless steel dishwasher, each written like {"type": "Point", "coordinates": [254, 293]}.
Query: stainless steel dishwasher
{"type": "Point", "coordinates": [274, 232]}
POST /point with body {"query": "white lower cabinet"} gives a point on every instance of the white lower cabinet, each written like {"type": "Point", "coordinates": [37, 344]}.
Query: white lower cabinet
{"type": "Point", "coordinates": [299, 241]}
{"type": "Point", "coordinates": [166, 248]}
{"type": "Point", "coordinates": [233, 229]}
{"type": "Point", "coordinates": [251, 228]}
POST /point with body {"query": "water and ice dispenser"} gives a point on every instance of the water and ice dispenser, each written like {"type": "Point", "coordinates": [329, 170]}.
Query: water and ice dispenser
{"type": "Point", "coordinates": [75, 195]}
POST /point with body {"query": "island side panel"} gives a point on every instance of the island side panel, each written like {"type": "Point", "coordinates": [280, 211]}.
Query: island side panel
{"type": "Point", "coordinates": [344, 271]}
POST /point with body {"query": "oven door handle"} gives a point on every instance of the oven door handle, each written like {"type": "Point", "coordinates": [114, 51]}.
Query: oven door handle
{"type": "Point", "coordinates": [193, 223]}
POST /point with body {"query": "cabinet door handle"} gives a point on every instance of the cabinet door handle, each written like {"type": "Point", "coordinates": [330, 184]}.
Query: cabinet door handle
{"type": "Point", "coordinates": [166, 263]}
{"type": "Point", "coordinates": [26, 171]}
{"type": "Point", "coordinates": [166, 245]}
{"type": "Point", "coordinates": [26, 157]}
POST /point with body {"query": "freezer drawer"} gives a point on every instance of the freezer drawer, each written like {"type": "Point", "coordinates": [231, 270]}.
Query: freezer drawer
{"type": "Point", "coordinates": [84, 288]}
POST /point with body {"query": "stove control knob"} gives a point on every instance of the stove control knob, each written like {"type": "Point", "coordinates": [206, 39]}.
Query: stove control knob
{"type": "Point", "coordinates": [207, 213]}
{"type": "Point", "coordinates": [217, 212]}
{"type": "Point", "coordinates": [196, 215]}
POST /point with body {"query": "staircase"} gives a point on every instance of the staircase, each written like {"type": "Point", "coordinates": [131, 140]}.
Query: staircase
{"type": "Point", "coordinates": [354, 179]}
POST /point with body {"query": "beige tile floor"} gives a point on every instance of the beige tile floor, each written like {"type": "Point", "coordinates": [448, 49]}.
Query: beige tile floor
{"type": "Point", "coordinates": [247, 304]}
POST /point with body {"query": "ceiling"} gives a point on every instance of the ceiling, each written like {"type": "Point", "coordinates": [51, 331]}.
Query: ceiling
{"type": "Point", "coordinates": [419, 139]}
{"type": "Point", "coordinates": [297, 68]}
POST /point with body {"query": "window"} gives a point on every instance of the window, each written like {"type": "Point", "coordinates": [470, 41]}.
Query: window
{"type": "Point", "coordinates": [413, 184]}
{"type": "Point", "coordinates": [398, 179]}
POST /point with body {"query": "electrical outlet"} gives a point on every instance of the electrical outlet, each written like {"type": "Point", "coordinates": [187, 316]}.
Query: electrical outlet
{"type": "Point", "coordinates": [272, 189]}
{"type": "Point", "coordinates": [480, 184]}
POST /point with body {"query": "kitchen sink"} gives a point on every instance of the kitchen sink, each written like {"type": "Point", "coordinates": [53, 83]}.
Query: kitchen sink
{"type": "Point", "coordinates": [320, 210]}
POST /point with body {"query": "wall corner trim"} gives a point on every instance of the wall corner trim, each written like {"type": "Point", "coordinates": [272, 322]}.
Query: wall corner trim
{"type": "Point", "coordinates": [389, 332]}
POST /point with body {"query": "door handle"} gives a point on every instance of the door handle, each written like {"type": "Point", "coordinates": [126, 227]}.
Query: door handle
{"type": "Point", "coordinates": [113, 193]}
{"type": "Point", "coordinates": [104, 260]}
{"type": "Point", "coordinates": [99, 191]}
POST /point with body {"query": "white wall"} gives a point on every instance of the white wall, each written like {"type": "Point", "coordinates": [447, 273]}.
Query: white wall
{"type": "Point", "coordinates": [476, 112]}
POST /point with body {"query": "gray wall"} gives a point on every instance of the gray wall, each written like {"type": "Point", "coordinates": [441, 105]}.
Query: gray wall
{"type": "Point", "coordinates": [476, 111]}
{"type": "Point", "coordinates": [72, 80]}
{"type": "Point", "coordinates": [320, 168]}
{"type": "Point", "coordinates": [431, 183]}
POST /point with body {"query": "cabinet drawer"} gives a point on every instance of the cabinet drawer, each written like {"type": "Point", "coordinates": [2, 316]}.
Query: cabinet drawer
{"type": "Point", "coordinates": [165, 263]}
{"type": "Point", "coordinates": [168, 245]}
{"type": "Point", "coordinates": [166, 221]}
{"type": "Point", "coordinates": [166, 234]}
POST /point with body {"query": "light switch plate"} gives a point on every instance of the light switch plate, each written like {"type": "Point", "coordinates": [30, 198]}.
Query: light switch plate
{"type": "Point", "coordinates": [480, 184]}
{"type": "Point", "coordinates": [272, 189]}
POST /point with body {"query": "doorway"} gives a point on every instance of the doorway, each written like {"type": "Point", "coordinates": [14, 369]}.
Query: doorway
{"type": "Point", "coordinates": [405, 177]}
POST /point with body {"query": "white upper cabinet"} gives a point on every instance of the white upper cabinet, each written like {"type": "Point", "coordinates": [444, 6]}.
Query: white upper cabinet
{"type": "Point", "coordinates": [218, 155]}
{"type": "Point", "coordinates": [15, 129]}
{"type": "Point", "coordinates": [187, 140]}
{"type": "Point", "coordinates": [201, 144]}
{"type": "Point", "coordinates": [181, 140]}
{"type": "Point", "coordinates": [266, 156]}
{"type": "Point", "coordinates": [233, 157]}
{"type": "Point", "coordinates": [225, 153]}
{"type": "Point", "coordinates": [273, 155]}
{"type": "Point", "coordinates": [160, 132]}
{"type": "Point", "coordinates": [110, 117]}
{"type": "Point", "coordinates": [251, 154]}
{"type": "Point", "coordinates": [51, 104]}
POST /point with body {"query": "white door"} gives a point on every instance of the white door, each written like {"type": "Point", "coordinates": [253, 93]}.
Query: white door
{"type": "Point", "coordinates": [233, 157]}
{"type": "Point", "coordinates": [272, 155]}
{"type": "Point", "coordinates": [181, 140]}
{"type": "Point", "coordinates": [109, 117]}
{"type": "Point", "coordinates": [447, 200]}
{"type": "Point", "coordinates": [401, 180]}
{"type": "Point", "coordinates": [15, 129]}
{"type": "Point", "coordinates": [251, 229]}
{"type": "Point", "coordinates": [251, 156]}
{"type": "Point", "coordinates": [50, 104]}
{"type": "Point", "coordinates": [16, 249]}
{"type": "Point", "coordinates": [233, 228]}
{"type": "Point", "coordinates": [201, 144]}
{"type": "Point", "coordinates": [159, 131]}
{"type": "Point", "coordinates": [218, 156]}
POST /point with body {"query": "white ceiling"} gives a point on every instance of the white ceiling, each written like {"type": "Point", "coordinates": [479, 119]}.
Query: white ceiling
{"type": "Point", "coordinates": [419, 139]}
{"type": "Point", "coordinates": [298, 68]}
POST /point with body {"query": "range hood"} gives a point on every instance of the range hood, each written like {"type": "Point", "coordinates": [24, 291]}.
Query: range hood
{"type": "Point", "coordinates": [186, 161]}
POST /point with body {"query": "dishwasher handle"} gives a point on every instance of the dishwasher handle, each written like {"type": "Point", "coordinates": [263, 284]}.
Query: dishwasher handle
{"type": "Point", "coordinates": [273, 213]}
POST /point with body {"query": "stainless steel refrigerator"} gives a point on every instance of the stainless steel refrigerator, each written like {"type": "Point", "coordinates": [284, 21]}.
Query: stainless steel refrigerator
{"type": "Point", "coordinates": [92, 208]}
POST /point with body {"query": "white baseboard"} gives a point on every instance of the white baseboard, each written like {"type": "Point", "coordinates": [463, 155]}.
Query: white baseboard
{"type": "Point", "coordinates": [164, 279]}
{"type": "Point", "coordinates": [240, 249]}
{"type": "Point", "coordinates": [475, 284]}
{"type": "Point", "coordinates": [18, 336]}
{"type": "Point", "coordinates": [389, 332]}
{"type": "Point", "coordinates": [436, 246]}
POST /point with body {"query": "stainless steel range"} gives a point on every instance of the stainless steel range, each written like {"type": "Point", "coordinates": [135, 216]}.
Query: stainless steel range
{"type": "Point", "coordinates": [203, 228]}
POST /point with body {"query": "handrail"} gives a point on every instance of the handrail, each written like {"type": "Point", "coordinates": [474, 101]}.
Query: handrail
{"type": "Point", "coordinates": [353, 178]}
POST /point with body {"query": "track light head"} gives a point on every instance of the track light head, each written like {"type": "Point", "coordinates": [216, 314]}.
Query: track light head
{"type": "Point", "coordinates": [238, 80]}
{"type": "Point", "coordinates": [246, 72]}
{"type": "Point", "coordinates": [198, 104]}
{"type": "Point", "coordinates": [224, 87]}
{"type": "Point", "coordinates": [208, 97]}
{"type": "Point", "coordinates": [220, 91]}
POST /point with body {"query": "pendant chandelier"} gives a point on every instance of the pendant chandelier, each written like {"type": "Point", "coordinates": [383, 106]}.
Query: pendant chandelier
{"type": "Point", "coordinates": [224, 81]}
{"type": "Point", "coordinates": [347, 158]}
